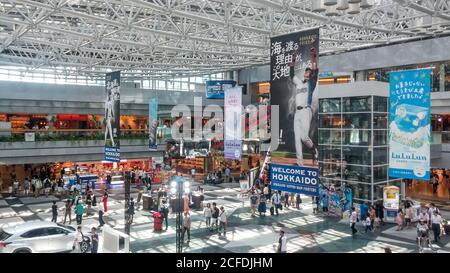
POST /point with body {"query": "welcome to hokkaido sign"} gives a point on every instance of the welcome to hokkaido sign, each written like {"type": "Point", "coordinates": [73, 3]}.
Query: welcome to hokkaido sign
{"type": "Point", "coordinates": [294, 179]}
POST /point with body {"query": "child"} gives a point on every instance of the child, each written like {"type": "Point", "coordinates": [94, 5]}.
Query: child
{"type": "Point", "coordinates": [376, 224]}
{"type": "Point", "coordinates": [368, 223]}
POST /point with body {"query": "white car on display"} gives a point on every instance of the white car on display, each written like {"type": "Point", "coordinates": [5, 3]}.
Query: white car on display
{"type": "Point", "coordinates": [39, 237]}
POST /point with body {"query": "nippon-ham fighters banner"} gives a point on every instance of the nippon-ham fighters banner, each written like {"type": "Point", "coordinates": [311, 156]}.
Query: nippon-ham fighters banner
{"type": "Point", "coordinates": [294, 179]}
{"type": "Point", "coordinates": [293, 87]}
{"type": "Point", "coordinates": [409, 124]}
{"type": "Point", "coordinates": [233, 123]}
{"type": "Point", "coordinates": [112, 117]}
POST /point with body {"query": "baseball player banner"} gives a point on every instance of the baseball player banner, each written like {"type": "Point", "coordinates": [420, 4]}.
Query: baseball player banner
{"type": "Point", "coordinates": [233, 123]}
{"type": "Point", "coordinates": [293, 87]}
{"type": "Point", "coordinates": [152, 124]}
{"type": "Point", "coordinates": [409, 124]}
{"type": "Point", "coordinates": [294, 179]}
{"type": "Point", "coordinates": [112, 117]}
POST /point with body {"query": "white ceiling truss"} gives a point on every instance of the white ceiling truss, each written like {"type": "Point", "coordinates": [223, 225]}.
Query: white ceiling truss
{"type": "Point", "coordinates": [167, 38]}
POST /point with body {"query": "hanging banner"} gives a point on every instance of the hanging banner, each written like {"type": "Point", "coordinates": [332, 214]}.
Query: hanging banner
{"type": "Point", "coordinates": [112, 117]}
{"type": "Point", "coordinates": [294, 179]}
{"type": "Point", "coordinates": [152, 124]}
{"type": "Point", "coordinates": [233, 126]}
{"type": "Point", "coordinates": [293, 87]}
{"type": "Point", "coordinates": [409, 127]}
{"type": "Point", "coordinates": [216, 89]}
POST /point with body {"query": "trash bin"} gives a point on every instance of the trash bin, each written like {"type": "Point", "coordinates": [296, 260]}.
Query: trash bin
{"type": "Point", "coordinates": [157, 221]}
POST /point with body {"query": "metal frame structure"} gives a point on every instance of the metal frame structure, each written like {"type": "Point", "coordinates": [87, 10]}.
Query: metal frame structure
{"type": "Point", "coordinates": [175, 38]}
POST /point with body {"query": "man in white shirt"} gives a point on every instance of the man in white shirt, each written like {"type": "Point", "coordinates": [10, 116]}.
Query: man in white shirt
{"type": "Point", "coordinates": [424, 217]}
{"type": "Point", "coordinates": [436, 220]}
{"type": "Point", "coordinates": [276, 201]}
{"type": "Point", "coordinates": [353, 220]}
{"type": "Point", "coordinates": [222, 221]}
{"type": "Point", "coordinates": [186, 226]}
{"type": "Point", "coordinates": [282, 243]}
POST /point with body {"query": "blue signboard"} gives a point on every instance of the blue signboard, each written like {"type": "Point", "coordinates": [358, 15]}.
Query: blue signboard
{"type": "Point", "coordinates": [294, 179]}
{"type": "Point", "coordinates": [216, 89]}
{"type": "Point", "coordinates": [112, 154]}
{"type": "Point", "coordinates": [409, 124]}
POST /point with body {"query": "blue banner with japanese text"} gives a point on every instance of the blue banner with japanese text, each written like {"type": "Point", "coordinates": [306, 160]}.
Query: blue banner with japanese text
{"type": "Point", "coordinates": [294, 179]}
{"type": "Point", "coordinates": [409, 124]}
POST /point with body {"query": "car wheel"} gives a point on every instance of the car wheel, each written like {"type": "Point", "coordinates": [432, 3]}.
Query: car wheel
{"type": "Point", "coordinates": [22, 251]}
{"type": "Point", "coordinates": [84, 247]}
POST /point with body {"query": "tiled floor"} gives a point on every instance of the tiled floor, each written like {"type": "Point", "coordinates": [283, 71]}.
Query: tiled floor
{"type": "Point", "coordinates": [306, 232]}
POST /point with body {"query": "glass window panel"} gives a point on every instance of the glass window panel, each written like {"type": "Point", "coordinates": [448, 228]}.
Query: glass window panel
{"type": "Point", "coordinates": [357, 173]}
{"type": "Point", "coordinates": [177, 86]}
{"type": "Point", "coordinates": [330, 170]}
{"type": "Point", "coordinates": [380, 104]}
{"type": "Point", "coordinates": [329, 153]}
{"type": "Point", "coordinates": [380, 173]}
{"type": "Point", "coordinates": [358, 104]}
{"type": "Point", "coordinates": [357, 155]}
{"type": "Point", "coordinates": [380, 121]}
{"type": "Point", "coordinates": [170, 85]}
{"type": "Point", "coordinates": [380, 156]}
{"type": "Point", "coordinates": [357, 121]}
{"type": "Point", "coordinates": [330, 121]}
{"type": "Point", "coordinates": [184, 86]}
{"type": "Point", "coordinates": [380, 137]}
{"type": "Point", "coordinates": [357, 137]}
{"type": "Point", "coordinates": [330, 105]}
{"type": "Point", "coordinates": [330, 137]}
{"type": "Point", "coordinates": [191, 87]}
{"type": "Point", "coordinates": [361, 191]}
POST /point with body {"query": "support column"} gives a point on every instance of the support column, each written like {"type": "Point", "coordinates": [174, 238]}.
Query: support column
{"type": "Point", "coordinates": [442, 78]}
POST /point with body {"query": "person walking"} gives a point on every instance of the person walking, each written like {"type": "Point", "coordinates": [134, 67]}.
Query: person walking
{"type": "Point", "coordinates": [372, 216]}
{"type": "Point", "coordinates": [131, 211]}
{"type": "Point", "coordinates": [408, 216]}
{"type": "Point", "coordinates": [436, 220]}
{"type": "Point", "coordinates": [68, 211]}
{"type": "Point", "coordinates": [165, 212]}
{"type": "Point", "coordinates": [253, 202]}
{"type": "Point", "coordinates": [223, 222]}
{"type": "Point", "coordinates": [400, 220]}
{"type": "Point", "coordinates": [101, 222]}
{"type": "Point", "coordinates": [78, 239]}
{"type": "Point", "coordinates": [325, 204]}
{"type": "Point", "coordinates": [94, 240]}
{"type": "Point", "coordinates": [186, 226]}
{"type": "Point", "coordinates": [298, 201]}
{"type": "Point", "coordinates": [282, 243]}
{"type": "Point", "coordinates": [379, 209]}
{"type": "Point", "coordinates": [215, 216]}
{"type": "Point", "coordinates": [435, 182]}
{"type": "Point", "coordinates": [368, 224]}
{"type": "Point", "coordinates": [79, 210]}
{"type": "Point", "coordinates": [26, 186]}
{"type": "Point", "coordinates": [276, 201]}
{"type": "Point", "coordinates": [105, 201]}
{"type": "Point", "coordinates": [353, 220]}
{"type": "Point", "coordinates": [286, 199]}
{"type": "Point", "coordinates": [108, 181]}
{"type": "Point", "coordinates": [262, 206]}
{"type": "Point", "coordinates": [207, 213]}
{"type": "Point", "coordinates": [54, 212]}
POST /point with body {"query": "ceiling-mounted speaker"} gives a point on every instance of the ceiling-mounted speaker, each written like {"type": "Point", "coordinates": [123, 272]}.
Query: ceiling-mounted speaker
{"type": "Point", "coordinates": [366, 4]}
{"type": "Point", "coordinates": [317, 6]}
{"type": "Point", "coordinates": [331, 11]}
{"type": "Point", "coordinates": [342, 5]}
{"type": "Point", "coordinates": [353, 8]}
{"type": "Point", "coordinates": [330, 2]}
{"type": "Point", "coordinates": [354, 1]}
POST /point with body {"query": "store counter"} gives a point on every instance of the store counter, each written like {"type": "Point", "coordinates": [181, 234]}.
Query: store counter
{"type": "Point", "coordinates": [147, 202]}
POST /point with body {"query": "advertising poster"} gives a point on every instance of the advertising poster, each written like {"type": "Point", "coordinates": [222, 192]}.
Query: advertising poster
{"type": "Point", "coordinates": [409, 124]}
{"type": "Point", "coordinates": [293, 87]}
{"type": "Point", "coordinates": [112, 117]}
{"type": "Point", "coordinates": [338, 200]}
{"type": "Point", "coordinates": [294, 179]}
{"type": "Point", "coordinates": [233, 123]}
{"type": "Point", "coordinates": [152, 124]}
{"type": "Point", "coordinates": [216, 89]}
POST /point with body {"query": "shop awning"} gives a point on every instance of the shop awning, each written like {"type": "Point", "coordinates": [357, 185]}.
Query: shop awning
{"type": "Point", "coordinates": [72, 117]}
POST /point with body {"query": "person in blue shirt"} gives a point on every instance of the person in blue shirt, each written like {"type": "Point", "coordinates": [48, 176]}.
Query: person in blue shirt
{"type": "Point", "coordinates": [325, 203]}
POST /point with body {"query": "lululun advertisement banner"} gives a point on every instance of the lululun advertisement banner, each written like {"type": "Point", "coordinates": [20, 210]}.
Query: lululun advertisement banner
{"type": "Point", "coordinates": [216, 89]}
{"type": "Point", "coordinates": [112, 117]}
{"type": "Point", "coordinates": [294, 179]}
{"type": "Point", "coordinates": [409, 124]}
{"type": "Point", "coordinates": [293, 87]}
{"type": "Point", "coordinates": [233, 123]}
{"type": "Point", "coordinates": [152, 124]}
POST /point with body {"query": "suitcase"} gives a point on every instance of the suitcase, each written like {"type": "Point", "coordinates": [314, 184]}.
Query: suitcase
{"type": "Point", "coordinates": [272, 211]}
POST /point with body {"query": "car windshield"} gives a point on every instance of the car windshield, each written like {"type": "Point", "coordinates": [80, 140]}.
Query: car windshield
{"type": "Point", "coordinates": [66, 227]}
{"type": "Point", "coordinates": [4, 235]}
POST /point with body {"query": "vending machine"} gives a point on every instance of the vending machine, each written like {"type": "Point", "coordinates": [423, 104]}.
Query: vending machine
{"type": "Point", "coordinates": [391, 202]}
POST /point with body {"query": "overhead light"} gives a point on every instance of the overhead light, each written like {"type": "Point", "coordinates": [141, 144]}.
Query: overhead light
{"type": "Point", "coordinates": [353, 8]}
{"type": "Point", "coordinates": [330, 2]}
{"type": "Point", "coordinates": [342, 5]}
{"type": "Point", "coordinates": [317, 6]}
{"type": "Point", "coordinates": [331, 11]}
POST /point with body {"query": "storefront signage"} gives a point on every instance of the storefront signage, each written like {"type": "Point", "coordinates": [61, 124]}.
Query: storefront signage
{"type": "Point", "coordinates": [294, 179]}
{"type": "Point", "coordinates": [216, 89]}
{"type": "Point", "coordinates": [409, 127]}
{"type": "Point", "coordinates": [153, 124]}
{"type": "Point", "coordinates": [30, 137]}
{"type": "Point", "coordinates": [112, 117]}
{"type": "Point", "coordinates": [233, 124]}
{"type": "Point", "coordinates": [293, 88]}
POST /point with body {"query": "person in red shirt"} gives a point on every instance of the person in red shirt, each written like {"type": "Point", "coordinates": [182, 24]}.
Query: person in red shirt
{"type": "Point", "coordinates": [105, 201]}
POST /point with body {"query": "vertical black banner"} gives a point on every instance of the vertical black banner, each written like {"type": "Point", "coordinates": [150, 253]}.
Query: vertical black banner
{"type": "Point", "coordinates": [293, 87]}
{"type": "Point", "coordinates": [112, 117]}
